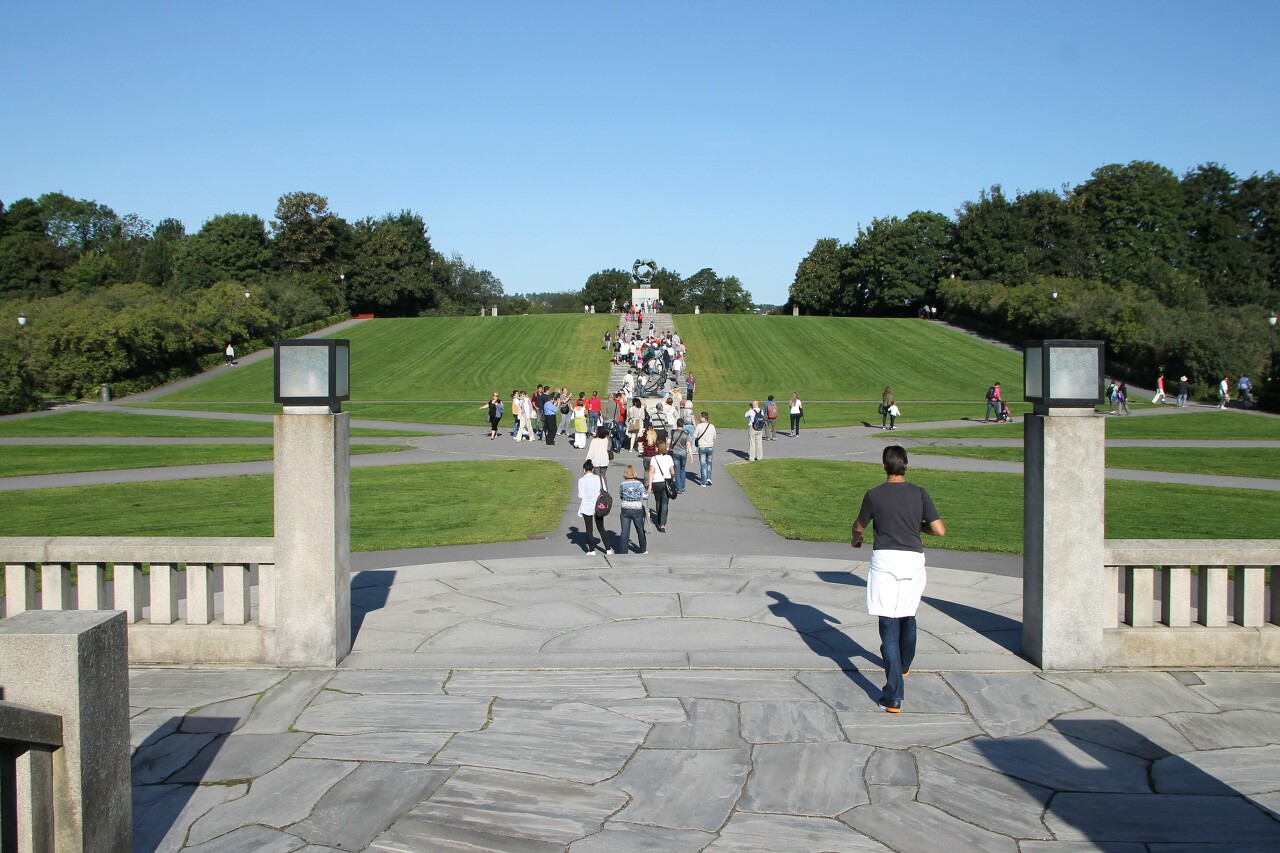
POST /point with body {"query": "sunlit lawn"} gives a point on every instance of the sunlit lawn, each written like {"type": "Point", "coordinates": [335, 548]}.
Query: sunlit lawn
{"type": "Point", "coordinates": [83, 424]}
{"type": "Point", "coordinates": [396, 506]}
{"type": "Point", "coordinates": [1224, 425]}
{"type": "Point", "coordinates": [1261, 462]}
{"type": "Point", "coordinates": [23, 460]}
{"type": "Point", "coordinates": [818, 501]}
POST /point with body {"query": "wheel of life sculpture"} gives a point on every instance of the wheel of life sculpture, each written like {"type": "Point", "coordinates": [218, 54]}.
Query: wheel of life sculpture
{"type": "Point", "coordinates": [642, 271]}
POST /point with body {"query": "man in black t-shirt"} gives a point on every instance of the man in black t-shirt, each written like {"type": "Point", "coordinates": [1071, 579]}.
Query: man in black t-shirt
{"type": "Point", "coordinates": [900, 512]}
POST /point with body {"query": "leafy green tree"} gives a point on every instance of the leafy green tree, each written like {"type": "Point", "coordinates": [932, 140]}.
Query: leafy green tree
{"type": "Point", "coordinates": [1220, 252]}
{"type": "Point", "coordinates": [391, 269]}
{"type": "Point", "coordinates": [156, 266]}
{"type": "Point", "coordinates": [604, 286]}
{"type": "Point", "coordinates": [463, 289]}
{"type": "Point", "coordinates": [223, 315]}
{"type": "Point", "coordinates": [230, 247]}
{"type": "Point", "coordinates": [306, 235]}
{"type": "Point", "coordinates": [992, 240]}
{"type": "Point", "coordinates": [817, 286]}
{"type": "Point", "coordinates": [716, 295]}
{"type": "Point", "coordinates": [894, 264]}
{"type": "Point", "coordinates": [670, 287]}
{"type": "Point", "coordinates": [1135, 220]}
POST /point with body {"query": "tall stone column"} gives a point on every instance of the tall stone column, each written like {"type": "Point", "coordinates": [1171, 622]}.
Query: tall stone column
{"type": "Point", "coordinates": [313, 537]}
{"type": "Point", "coordinates": [1062, 573]}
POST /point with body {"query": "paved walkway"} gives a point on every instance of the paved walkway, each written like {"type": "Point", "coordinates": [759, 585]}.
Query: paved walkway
{"type": "Point", "coordinates": [704, 703]}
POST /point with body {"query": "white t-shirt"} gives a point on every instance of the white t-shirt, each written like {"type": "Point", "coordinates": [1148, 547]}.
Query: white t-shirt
{"type": "Point", "coordinates": [796, 406]}
{"type": "Point", "coordinates": [589, 486]}
{"type": "Point", "coordinates": [704, 435]}
{"type": "Point", "coordinates": [663, 468]}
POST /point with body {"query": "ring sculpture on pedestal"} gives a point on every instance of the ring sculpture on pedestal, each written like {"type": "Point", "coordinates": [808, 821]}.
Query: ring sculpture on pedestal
{"type": "Point", "coordinates": [642, 271]}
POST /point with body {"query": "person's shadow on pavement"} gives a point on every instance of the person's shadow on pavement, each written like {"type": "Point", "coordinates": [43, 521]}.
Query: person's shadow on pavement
{"type": "Point", "coordinates": [817, 630]}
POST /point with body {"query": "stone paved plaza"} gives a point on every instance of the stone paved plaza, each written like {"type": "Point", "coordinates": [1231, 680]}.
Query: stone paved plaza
{"type": "Point", "coordinates": [573, 703]}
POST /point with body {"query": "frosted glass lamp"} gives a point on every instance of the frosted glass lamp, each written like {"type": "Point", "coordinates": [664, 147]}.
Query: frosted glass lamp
{"type": "Point", "coordinates": [1063, 374]}
{"type": "Point", "coordinates": [314, 372]}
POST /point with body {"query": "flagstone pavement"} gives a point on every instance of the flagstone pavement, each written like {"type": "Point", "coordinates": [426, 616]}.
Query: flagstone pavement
{"type": "Point", "coordinates": [587, 703]}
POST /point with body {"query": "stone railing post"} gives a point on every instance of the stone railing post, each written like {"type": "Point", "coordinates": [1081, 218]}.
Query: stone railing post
{"type": "Point", "coordinates": [75, 663]}
{"type": "Point", "coordinates": [313, 538]}
{"type": "Point", "coordinates": [1063, 575]}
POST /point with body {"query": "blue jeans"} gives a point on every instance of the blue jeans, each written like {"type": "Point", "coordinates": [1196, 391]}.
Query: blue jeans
{"type": "Point", "coordinates": [898, 648]}
{"type": "Point", "coordinates": [993, 408]}
{"type": "Point", "coordinates": [680, 461]}
{"type": "Point", "coordinates": [704, 460]}
{"type": "Point", "coordinates": [630, 517]}
{"type": "Point", "coordinates": [593, 418]}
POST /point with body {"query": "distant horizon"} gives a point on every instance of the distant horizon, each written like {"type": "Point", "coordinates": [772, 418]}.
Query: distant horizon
{"type": "Point", "coordinates": [546, 143]}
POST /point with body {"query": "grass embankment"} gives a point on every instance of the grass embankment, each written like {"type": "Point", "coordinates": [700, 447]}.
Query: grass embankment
{"type": "Point", "coordinates": [1258, 462]}
{"type": "Point", "coordinates": [397, 365]}
{"type": "Point", "coordinates": [1193, 426]}
{"type": "Point", "coordinates": [125, 425]}
{"type": "Point", "coordinates": [846, 359]}
{"type": "Point", "coordinates": [818, 501]}
{"type": "Point", "coordinates": [25, 460]}
{"type": "Point", "coordinates": [398, 506]}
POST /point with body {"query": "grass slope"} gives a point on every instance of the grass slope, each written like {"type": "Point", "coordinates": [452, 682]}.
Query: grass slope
{"type": "Point", "coordinates": [1224, 425]}
{"type": "Point", "coordinates": [843, 358]}
{"type": "Point", "coordinates": [817, 501]}
{"type": "Point", "coordinates": [445, 358]}
{"type": "Point", "coordinates": [24, 460]}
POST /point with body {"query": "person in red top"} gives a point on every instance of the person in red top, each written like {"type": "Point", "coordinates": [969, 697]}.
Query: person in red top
{"type": "Point", "coordinates": [593, 412]}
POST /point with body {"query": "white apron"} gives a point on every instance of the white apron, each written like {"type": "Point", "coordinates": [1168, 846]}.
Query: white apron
{"type": "Point", "coordinates": [895, 583]}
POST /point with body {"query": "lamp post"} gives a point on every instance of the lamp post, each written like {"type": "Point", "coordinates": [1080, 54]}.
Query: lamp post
{"type": "Point", "coordinates": [1063, 483]}
{"type": "Point", "coordinates": [312, 502]}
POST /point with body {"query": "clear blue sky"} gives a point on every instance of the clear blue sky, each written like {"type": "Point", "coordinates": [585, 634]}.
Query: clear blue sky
{"type": "Point", "coordinates": [546, 141]}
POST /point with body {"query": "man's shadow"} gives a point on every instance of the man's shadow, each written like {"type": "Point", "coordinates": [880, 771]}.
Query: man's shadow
{"type": "Point", "coordinates": [819, 634]}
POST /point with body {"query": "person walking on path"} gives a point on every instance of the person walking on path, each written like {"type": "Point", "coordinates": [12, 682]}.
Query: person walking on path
{"type": "Point", "coordinates": [1160, 395]}
{"type": "Point", "coordinates": [893, 414]}
{"type": "Point", "coordinates": [495, 415]}
{"type": "Point", "coordinates": [885, 399]}
{"type": "Point", "coordinates": [704, 440]}
{"type": "Point", "coordinates": [1122, 399]}
{"type": "Point", "coordinates": [1184, 391]}
{"type": "Point", "coordinates": [631, 498]}
{"type": "Point", "coordinates": [230, 353]}
{"type": "Point", "coordinates": [1224, 393]}
{"type": "Point", "coordinates": [590, 485]}
{"type": "Point", "coordinates": [679, 449]}
{"type": "Point", "coordinates": [755, 431]}
{"type": "Point", "coordinates": [993, 403]}
{"type": "Point", "coordinates": [662, 469]}
{"type": "Point", "coordinates": [689, 384]}
{"type": "Point", "coordinates": [1245, 389]}
{"type": "Point", "coordinates": [797, 412]}
{"type": "Point", "coordinates": [899, 511]}
{"type": "Point", "coordinates": [771, 419]}
{"type": "Point", "coordinates": [598, 452]}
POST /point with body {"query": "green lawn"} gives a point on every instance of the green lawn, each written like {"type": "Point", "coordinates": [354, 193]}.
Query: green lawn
{"type": "Point", "coordinates": [1226, 425]}
{"type": "Point", "coordinates": [23, 460]}
{"type": "Point", "coordinates": [1260, 462]}
{"type": "Point", "coordinates": [419, 413]}
{"type": "Point", "coordinates": [445, 358]}
{"type": "Point", "coordinates": [819, 415]}
{"type": "Point", "coordinates": [125, 425]}
{"type": "Point", "coordinates": [844, 358]}
{"type": "Point", "coordinates": [818, 500]}
{"type": "Point", "coordinates": [397, 506]}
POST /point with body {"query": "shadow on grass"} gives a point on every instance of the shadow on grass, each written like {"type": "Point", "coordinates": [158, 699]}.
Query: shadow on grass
{"type": "Point", "coordinates": [819, 633]}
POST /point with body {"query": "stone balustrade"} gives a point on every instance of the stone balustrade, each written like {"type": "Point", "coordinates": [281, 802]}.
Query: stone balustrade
{"type": "Point", "coordinates": [186, 600]}
{"type": "Point", "coordinates": [1149, 618]}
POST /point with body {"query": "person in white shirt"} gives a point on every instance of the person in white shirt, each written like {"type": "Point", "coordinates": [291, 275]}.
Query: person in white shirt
{"type": "Point", "coordinates": [704, 439]}
{"type": "Point", "coordinates": [590, 485]}
{"type": "Point", "coordinates": [797, 412]}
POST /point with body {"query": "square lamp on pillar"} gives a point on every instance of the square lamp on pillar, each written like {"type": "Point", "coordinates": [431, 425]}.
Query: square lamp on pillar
{"type": "Point", "coordinates": [312, 375]}
{"type": "Point", "coordinates": [1064, 478]}
{"type": "Point", "coordinates": [1063, 374]}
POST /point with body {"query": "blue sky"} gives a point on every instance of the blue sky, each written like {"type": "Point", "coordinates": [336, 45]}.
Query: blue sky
{"type": "Point", "coordinates": [546, 141]}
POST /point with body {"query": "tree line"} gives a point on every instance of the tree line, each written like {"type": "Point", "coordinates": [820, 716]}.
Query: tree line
{"type": "Point", "coordinates": [111, 298]}
{"type": "Point", "coordinates": [1178, 273]}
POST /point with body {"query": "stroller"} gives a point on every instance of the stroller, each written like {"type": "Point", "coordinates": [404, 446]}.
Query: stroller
{"type": "Point", "coordinates": [1004, 416]}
